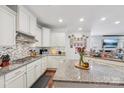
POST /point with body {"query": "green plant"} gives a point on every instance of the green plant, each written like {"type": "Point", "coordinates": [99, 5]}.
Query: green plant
{"type": "Point", "coordinates": [5, 58]}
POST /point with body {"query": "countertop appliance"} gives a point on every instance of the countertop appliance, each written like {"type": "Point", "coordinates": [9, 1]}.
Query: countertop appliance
{"type": "Point", "coordinates": [43, 51]}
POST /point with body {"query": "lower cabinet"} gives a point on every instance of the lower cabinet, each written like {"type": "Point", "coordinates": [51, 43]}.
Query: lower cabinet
{"type": "Point", "coordinates": [55, 61]}
{"type": "Point", "coordinates": [30, 74]}
{"type": "Point", "coordinates": [1, 81]}
{"type": "Point", "coordinates": [38, 69]}
{"type": "Point", "coordinates": [33, 72]}
{"type": "Point", "coordinates": [25, 76]}
{"type": "Point", "coordinates": [16, 78]}
{"type": "Point", "coordinates": [44, 64]}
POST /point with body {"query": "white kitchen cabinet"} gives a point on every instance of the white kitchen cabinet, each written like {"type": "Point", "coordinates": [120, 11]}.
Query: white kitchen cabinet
{"type": "Point", "coordinates": [16, 78]}
{"type": "Point", "coordinates": [38, 37]}
{"type": "Point", "coordinates": [1, 81]}
{"type": "Point", "coordinates": [33, 72]}
{"type": "Point", "coordinates": [55, 61]}
{"type": "Point", "coordinates": [23, 20]}
{"type": "Point", "coordinates": [44, 64]}
{"type": "Point", "coordinates": [57, 39]}
{"type": "Point", "coordinates": [38, 69]}
{"type": "Point", "coordinates": [30, 74]}
{"type": "Point", "coordinates": [46, 37]}
{"type": "Point", "coordinates": [26, 21]}
{"type": "Point", "coordinates": [52, 62]}
{"type": "Point", "coordinates": [7, 26]}
{"type": "Point", "coordinates": [33, 24]}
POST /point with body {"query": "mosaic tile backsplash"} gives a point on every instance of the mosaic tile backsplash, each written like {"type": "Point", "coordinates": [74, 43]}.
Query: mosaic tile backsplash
{"type": "Point", "coordinates": [21, 50]}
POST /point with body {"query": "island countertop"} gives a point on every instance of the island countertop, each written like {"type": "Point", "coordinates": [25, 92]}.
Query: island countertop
{"type": "Point", "coordinates": [98, 73]}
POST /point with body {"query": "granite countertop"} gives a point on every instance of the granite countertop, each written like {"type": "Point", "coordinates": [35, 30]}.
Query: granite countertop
{"type": "Point", "coordinates": [19, 63]}
{"type": "Point", "coordinates": [110, 59]}
{"type": "Point", "coordinates": [56, 54]}
{"type": "Point", "coordinates": [113, 59]}
{"type": "Point", "coordinates": [98, 73]}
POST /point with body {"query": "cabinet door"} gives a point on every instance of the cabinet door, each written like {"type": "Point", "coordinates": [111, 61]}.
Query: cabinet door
{"type": "Point", "coordinates": [30, 77]}
{"type": "Point", "coordinates": [32, 24]}
{"type": "Point", "coordinates": [16, 78]}
{"type": "Point", "coordinates": [44, 64]}
{"type": "Point", "coordinates": [31, 74]}
{"type": "Point", "coordinates": [38, 37]}
{"type": "Point", "coordinates": [38, 69]}
{"type": "Point", "coordinates": [46, 37]}
{"type": "Point", "coordinates": [52, 62]}
{"type": "Point", "coordinates": [7, 27]}
{"type": "Point", "coordinates": [43, 68]}
{"type": "Point", "coordinates": [38, 72]}
{"type": "Point", "coordinates": [57, 39]}
{"type": "Point", "coordinates": [1, 81]}
{"type": "Point", "coordinates": [23, 20]}
{"type": "Point", "coordinates": [17, 82]}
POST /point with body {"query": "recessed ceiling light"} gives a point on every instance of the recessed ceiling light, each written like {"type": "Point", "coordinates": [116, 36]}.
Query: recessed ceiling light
{"type": "Point", "coordinates": [103, 18]}
{"type": "Point", "coordinates": [81, 19]}
{"type": "Point", "coordinates": [79, 28]}
{"type": "Point", "coordinates": [117, 22]}
{"type": "Point", "coordinates": [60, 20]}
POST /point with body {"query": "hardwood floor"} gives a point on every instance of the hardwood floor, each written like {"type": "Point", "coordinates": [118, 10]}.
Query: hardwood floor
{"type": "Point", "coordinates": [50, 73]}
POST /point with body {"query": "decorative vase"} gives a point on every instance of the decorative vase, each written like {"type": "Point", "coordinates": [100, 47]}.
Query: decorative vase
{"type": "Point", "coordinates": [82, 64]}
{"type": "Point", "coordinates": [81, 61]}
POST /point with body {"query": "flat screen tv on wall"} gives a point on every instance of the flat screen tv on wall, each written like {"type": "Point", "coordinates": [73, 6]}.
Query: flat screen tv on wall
{"type": "Point", "coordinates": [110, 43]}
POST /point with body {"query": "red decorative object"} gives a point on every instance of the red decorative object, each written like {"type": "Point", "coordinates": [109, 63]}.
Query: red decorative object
{"type": "Point", "coordinates": [81, 50]}
{"type": "Point", "coordinates": [5, 60]}
{"type": "Point", "coordinates": [5, 64]}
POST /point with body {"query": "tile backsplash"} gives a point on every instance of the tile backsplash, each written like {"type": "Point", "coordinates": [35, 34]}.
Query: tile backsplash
{"type": "Point", "coordinates": [21, 50]}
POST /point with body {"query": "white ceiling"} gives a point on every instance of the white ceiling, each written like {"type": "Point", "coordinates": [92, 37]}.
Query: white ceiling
{"type": "Point", "coordinates": [72, 13]}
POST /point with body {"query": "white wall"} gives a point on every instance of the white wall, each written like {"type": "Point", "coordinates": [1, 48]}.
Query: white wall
{"type": "Point", "coordinates": [46, 37]}
{"type": "Point", "coordinates": [70, 52]}
{"type": "Point", "coordinates": [96, 42]}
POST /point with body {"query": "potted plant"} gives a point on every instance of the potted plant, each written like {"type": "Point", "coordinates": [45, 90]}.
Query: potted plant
{"type": "Point", "coordinates": [5, 60]}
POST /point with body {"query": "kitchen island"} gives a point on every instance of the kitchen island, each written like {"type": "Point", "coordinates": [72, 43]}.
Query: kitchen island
{"type": "Point", "coordinates": [99, 75]}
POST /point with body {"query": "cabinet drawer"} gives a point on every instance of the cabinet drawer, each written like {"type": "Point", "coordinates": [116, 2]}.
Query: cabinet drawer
{"type": "Point", "coordinates": [38, 62]}
{"type": "Point", "coordinates": [15, 73]}
{"type": "Point", "coordinates": [31, 65]}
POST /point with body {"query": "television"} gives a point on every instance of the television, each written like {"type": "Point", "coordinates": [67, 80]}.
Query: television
{"type": "Point", "coordinates": [110, 43]}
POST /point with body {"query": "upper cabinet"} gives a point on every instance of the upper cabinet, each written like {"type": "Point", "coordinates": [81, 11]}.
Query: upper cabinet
{"type": "Point", "coordinates": [23, 20]}
{"type": "Point", "coordinates": [46, 37]}
{"type": "Point", "coordinates": [38, 35]}
{"type": "Point", "coordinates": [26, 21]}
{"type": "Point", "coordinates": [57, 39]}
{"type": "Point", "coordinates": [7, 26]}
{"type": "Point", "coordinates": [33, 24]}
